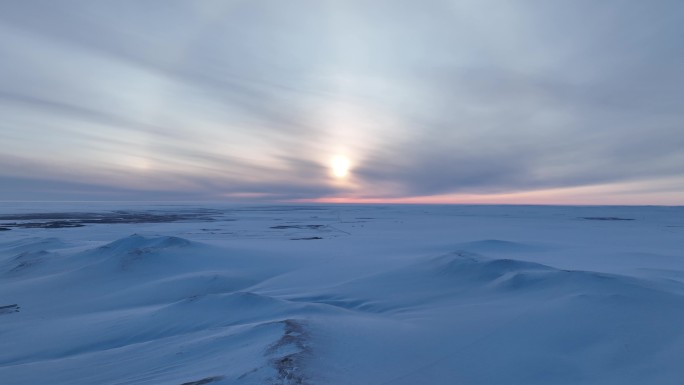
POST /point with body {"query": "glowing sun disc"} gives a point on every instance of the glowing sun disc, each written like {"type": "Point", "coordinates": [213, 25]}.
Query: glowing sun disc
{"type": "Point", "coordinates": [340, 166]}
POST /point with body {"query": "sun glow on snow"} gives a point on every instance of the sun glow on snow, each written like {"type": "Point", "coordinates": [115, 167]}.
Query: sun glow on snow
{"type": "Point", "coordinates": [340, 166]}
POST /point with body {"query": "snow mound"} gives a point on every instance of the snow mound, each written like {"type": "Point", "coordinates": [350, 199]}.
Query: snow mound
{"type": "Point", "coordinates": [179, 287]}
{"type": "Point", "coordinates": [32, 244]}
{"type": "Point", "coordinates": [464, 277]}
{"type": "Point", "coordinates": [138, 245]}
{"type": "Point", "coordinates": [499, 246]}
{"type": "Point", "coordinates": [137, 253]}
{"type": "Point", "coordinates": [25, 262]}
{"type": "Point", "coordinates": [471, 266]}
{"type": "Point", "coordinates": [216, 310]}
{"type": "Point", "coordinates": [511, 276]}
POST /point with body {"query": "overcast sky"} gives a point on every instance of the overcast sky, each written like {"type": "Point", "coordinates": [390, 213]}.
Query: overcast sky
{"type": "Point", "coordinates": [485, 101]}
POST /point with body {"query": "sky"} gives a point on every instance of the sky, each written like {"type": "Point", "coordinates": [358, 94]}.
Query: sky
{"type": "Point", "coordinates": [397, 101]}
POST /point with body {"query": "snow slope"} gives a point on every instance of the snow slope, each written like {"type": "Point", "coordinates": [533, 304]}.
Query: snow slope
{"type": "Point", "coordinates": [347, 295]}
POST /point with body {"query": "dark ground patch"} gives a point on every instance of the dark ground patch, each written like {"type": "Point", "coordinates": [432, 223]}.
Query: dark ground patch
{"type": "Point", "coordinates": [299, 227]}
{"type": "Point", "coordinates": [46, 225]}
{"type": "Point", "coordinates": [305, 239]}
{"type": "Point", "coordinates": [290, 366]}
{"type": "Point", "coordinates": [8, 309]}
{"type": "Point", "coordinates": [203, 381]}
{"type": "Point", "coordinates": [67, 220]}
{"type": "Point", "coordinates": [607, 219]}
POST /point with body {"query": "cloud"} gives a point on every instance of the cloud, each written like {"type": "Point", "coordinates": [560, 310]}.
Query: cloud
{"type": "Point", "coordinates": [253, 98]}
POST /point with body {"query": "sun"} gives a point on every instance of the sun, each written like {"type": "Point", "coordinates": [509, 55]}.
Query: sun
{"type": "Point", "coordinates": [340, 166]}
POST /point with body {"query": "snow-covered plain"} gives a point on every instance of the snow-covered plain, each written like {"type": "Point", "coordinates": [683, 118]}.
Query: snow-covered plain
{"type": "Point", "coordinates": [341, 295]}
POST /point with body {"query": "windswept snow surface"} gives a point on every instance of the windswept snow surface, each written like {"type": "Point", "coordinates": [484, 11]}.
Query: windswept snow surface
{"type": "Point", "coordinates": [340, 295]}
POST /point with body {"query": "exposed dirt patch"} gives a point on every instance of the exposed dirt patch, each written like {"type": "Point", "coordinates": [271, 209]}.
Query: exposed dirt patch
{"type": "Point", "coordinates": [207, 380]}
{"type": "Point", "coordinates": [290, 353]}
{"type": "Point", "coordinates": [66, 220]}
{"type": "Point", "coordinates": [299, 227]}
{"type": "Point", "coordinates": [8, 309]}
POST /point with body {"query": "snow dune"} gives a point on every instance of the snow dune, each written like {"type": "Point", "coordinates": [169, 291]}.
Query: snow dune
{"type": "Point", "coordinates": [508, 295]}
